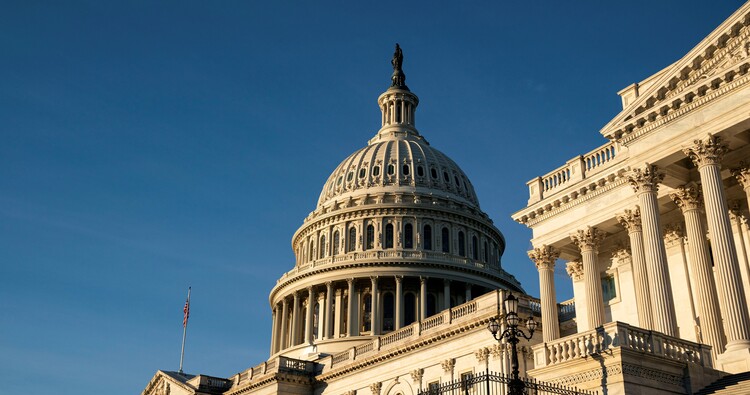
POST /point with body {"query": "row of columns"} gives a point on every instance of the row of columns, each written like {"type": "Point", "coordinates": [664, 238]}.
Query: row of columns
{"type": "Point", "coordinates": [331, 318]}
{"type": "Point", "coordinates": [725, 303]}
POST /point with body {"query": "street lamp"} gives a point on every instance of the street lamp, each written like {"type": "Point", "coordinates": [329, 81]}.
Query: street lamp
{"type": "Point", "coordinates": [513, 334]}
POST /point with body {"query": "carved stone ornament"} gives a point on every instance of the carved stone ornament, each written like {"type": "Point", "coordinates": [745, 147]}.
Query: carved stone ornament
{"type": "Point", "coordinates": [351, 392]}
{"type": "Point", "coordinates": [587, 239]}
{"type": "Point", "coordinates": [621, 256]}
{"type": "Point", "coordinates": [688, 197]}
{"type": "Point", "coordinates": [482, 354]}
{"type": "Point", "coordinates": [646, 179]}
{"type": "Point", "coordinates": [162, 388]}
{"type": "Point", "coordinates": [630, 220]}
{"type": "Point", "coordinates": [735, 213]}
{"type": "Point", "coordinates": [673, 233]}
{"type": "Point", "coordinates": [416, 375]}
{"type": "Point", "coordinates": [448, 365]}
{"type": "Point", "coordinates": [707, 152]}
{"type": "Point", "coordinates": [575, 270]}
{"type": "Point", "coordinates": [375, 388]}
{"type": "Point", "coordinates": [544, 257]}
{"type": "Point", "coordinates": [498, 349]}
{"type": "Point", "coordinates": [742, 174]}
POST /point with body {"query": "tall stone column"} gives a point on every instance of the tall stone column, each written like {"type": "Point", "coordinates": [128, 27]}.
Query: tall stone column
{"type": "Point", "coordinates": [321, 302]}
{"type": "Point", "coordinates": [328, 319]}
{"type": "Point", "coordinates": [688, 199]}
{"type": "Point", "coordinates": [274, 328]}
{"type": "Point", "coordinates": [351, 304]}
{"type": "Point", "coordinates": [399, 302]}
{"type": "Point", "coordinates": [544, 257]}
{"type": "Point", "coordinates": [284, 324]}
{"type": "Point", "coordinates": [742, 174]}
{"type": "Point", "coordinates": [631, 221]}
{"type": "Point", "coordinates": [739, 223]}
{"type": "Point", "coordinates": [309, 316]}
{"type": "Point", "coordinates": [446, 294]}
{"type": "Point", "coordinates": [467, 289]}
{"type": "Point", "coordinates": [422, 298]}
{"type": "Point", "coordinates": [645, 183]}
{"type": "Point", "coordinates": [707, 156]}
{"type": "Point", "coordinates": [588, 241]}
{"type": "Point", "coordinates": [338, 316]}
{"type": "Point", "coordinates": [375, 307]}
{"type": "Point", "coordinates": [294, 335]}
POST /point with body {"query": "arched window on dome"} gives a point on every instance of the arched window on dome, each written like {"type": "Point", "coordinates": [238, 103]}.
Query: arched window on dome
{"type": "Point", "coordinates": [475, 248]}
{"type": "Point", "coordinates": [486, 252]}
{"type": "Point", "coordinates": [311, 250]}
{"type": "Point", "coordinates": [427, 236]}
{"type": "Point", "coordinates": [322, 247]}
{"type": "Point", "coordinates": [366, 318]}
{"type": "Point", "coordinates": [389, 236]}
{"type": "Point", "coordinates": [388, 308]}
{"type": "Point", "coordinates": [410, 308]}
{"type": "Point", "coordinates": [461, 243]}
{"type": "Point", "coordinates": [391, 170]}
{"type": "Point", "coordinates": [370, 235]}
{"type": "Point", "coordinates": [398, 111]}
{"type": "Point", "coordinates": [445, 240]}
{"type": "Point", "coordinates": [352, 239]}
{"type": "Point", "coordinates": [405, 169]}
{"type": "Point", "coordinates": [336, 243]}
{"type": "Point", "coordinates": [408, 235]}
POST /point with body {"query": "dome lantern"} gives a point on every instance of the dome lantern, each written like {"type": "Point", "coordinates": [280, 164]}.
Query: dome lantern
{"type": "Point", "coordinates": [398, 104]}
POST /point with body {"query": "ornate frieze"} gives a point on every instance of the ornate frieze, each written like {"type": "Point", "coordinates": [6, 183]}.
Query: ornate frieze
{"type": "Point", "coordinates": [688, 197]}
{"type": "Point", "coordinates": [544, 257]}
{"type": "Point", "coordinates": [575, 270]}
{"type": "Point", "coordinates": [630, 220]}
{"type": "Point", "coordinates": [645, 179]}
{"type": "Point", "coordinates": [587, 239]}
{"type": "Point", "coordinates": [707, 152]}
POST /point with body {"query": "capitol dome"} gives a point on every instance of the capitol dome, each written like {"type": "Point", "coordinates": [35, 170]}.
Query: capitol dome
{"type": "Point", "coordinates": [397, 236]}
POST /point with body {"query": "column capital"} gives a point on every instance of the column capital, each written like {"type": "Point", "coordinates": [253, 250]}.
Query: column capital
{"type": "Point", "coordinates": [673, 233]}
{"type": "Point", "coordinates": [329, 284]}
{"type": "Point", "coordinates": [339, 292]}
{"type": "Point", "coordinates": [423, 280]}
{"type": "Point", "coordinates": [630, 220]}
{"type": "Point", "coordinates": [544, 257]}
{"type": "Point", "coordinates": [575, 270]}
{"type": "Point", "coordinates": [350, 280]}
{"type": "Point", "coordinates": [448, 365]}
{"type": "Point", "coordinates": [587, 239]}
{"type": "Point", "coordinates": [688, 197]}
{"type": "Point", "coordinates": [622, 256]}
{"type": "Point", "coordinates": [707, 152]}
{"type": "Point", "coordinates": [399, 278]}
{"type": "Point", "coordinates": [645, 179]}
{"type": "Point", "coordinates": [742, 174]}
{"type": "Point", "coordinates": [321, 295]}
{"type": "Point", "coordinates": [374, 279]}
{"type": "Point", "coordinates": [735, 212]}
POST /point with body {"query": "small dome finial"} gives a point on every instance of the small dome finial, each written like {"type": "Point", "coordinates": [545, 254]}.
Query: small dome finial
{"type": "Point", "coordinates": [398, 79]}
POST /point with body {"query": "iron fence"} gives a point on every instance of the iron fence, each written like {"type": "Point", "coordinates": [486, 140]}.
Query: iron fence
{"type": "Point", "coordinates": [492, 383]}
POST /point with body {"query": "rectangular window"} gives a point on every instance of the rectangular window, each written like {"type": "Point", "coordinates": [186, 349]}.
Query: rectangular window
{"type": "Point", "coordinates": [433, 388]}
{"type": "Point", "coordinates": [466, 384]}
{"type": "Point", "coordinates": [609, 290]}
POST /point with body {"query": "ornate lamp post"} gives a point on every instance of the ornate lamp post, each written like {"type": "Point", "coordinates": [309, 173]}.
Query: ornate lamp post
{"type": "Point", "coordinates": [513, 334]}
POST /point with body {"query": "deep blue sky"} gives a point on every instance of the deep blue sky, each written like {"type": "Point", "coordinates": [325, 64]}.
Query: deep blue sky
{"type": "Point", "coordinates": [148, 146]}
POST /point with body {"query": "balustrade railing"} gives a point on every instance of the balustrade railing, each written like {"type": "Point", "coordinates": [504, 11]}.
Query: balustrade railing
{"type": "Point", "coordinates": [278, 364]}
{"type": "Point", "coordinates": [618, 334]}
{"type": "Point", "coordinates": [566, 310]}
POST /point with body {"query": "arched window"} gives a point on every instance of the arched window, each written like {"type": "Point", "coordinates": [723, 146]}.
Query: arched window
{"type": "Point", "coordinates": [322, 253]}
{"type": "Point", "coordinates": [335, 243]}
{"type": "Point", "coordinates": [446, 240]}
{"type": "Point", "coordinates": [352, 239]}
{"type": "Point", "coordinates": [391, 169]}
{"type": "Point", "coordinates": [427, 243]}
{"type": "Point", "coordinates": [316, 320]}
{"type": "Point", "coordinates": [405, 169]}
{"type": "Point", "coordinates": [370, 234]}
{"type": "Point", "coordinates": [486, 253]}
{"type": "Point", "coordinates": [389, 236]}
{"type": "Point", "coordinates": [474, 248]}
{"type": "Point", "coordinates": [461, 243]}
{"type": "Point", "coordinates": [311, 252]}
{"type": "Point", "coordinates": [388, 318]}
{"type": "Point", "coordinates": [408, 236]}
{"type": "Point", "coordinates": [410, 308]}
{"type": "Point", "coordinates": [366, 309]}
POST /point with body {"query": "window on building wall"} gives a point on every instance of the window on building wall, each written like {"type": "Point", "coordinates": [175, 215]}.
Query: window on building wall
{"type": "Point", "coordinates": [335, 243]}
{"type": "Point", "coordinates": [362, 173]}
{"type": "Point", "coordinates": [420, 171]}
{"type": "Point", "coordinates": [352, 239]}
{"type": "Point", "coordinates": [446, 177]}
{"type": "Point", "coordinates": [322, 253]}
{"type": "Point", "coordinates": [609, 291]}
{"type": "Point", "coordinates": [433, 173]}
{"type": "Point", "coordinates": [461, 243]}
{"type": "Point", "coordinates": [408, 236]}
{"type": "Point", "coordinates": [311, 253]}
{"type": "Point", "coordinates": [466, 381]}
{"type": "Point", "coordinates": [410, 308]}
{"type": "Point", "coordinates": [475, 248]}
{"type": "Point", "coordinates": [431, 305]}
{"type": "Point", "coordinates": [388, 236]}
{"type": "Point", "coordinates": [366, 312]}
{"type": "Point", "coordinates": [376, 171]}
{"type": "Point", "coordinates": [405, 169]}
{"type": "Point", "coordinates": [445, 240]}
{"type": "Point", "coordinates": [370, 234]}
{"type": "Point", "coordinates": [427, 236]}
{"type": "Point", "coordinates": [486, 252]}
{"type": "Point", "coordinates": [433, 387]}
{"type": "Point", "coordinates": [391, 170]}
{"type": "Point", "coordinates": [349, 176]}
{"type": "Point", "coordinates": [388, 316]}
{"type": "Point", "coordinates": [316, 320]}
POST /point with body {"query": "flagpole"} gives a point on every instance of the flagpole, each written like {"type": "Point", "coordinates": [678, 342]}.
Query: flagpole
{"type": "Point", "coordinates": [184, 328]}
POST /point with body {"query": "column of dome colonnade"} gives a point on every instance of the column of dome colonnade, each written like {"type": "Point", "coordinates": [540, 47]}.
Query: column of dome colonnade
{"type": "Point", "coordinates": [587, 240]}
{"type": "Point", "coordinates": [688, 199]}
{"type": "Point", "coordinates": [544, 257]}
{"type": "Point", "coordinates": [645, 182]}
{"type": "Point", "coordinates": [707, 155]}
{"type": "Point", "coordinates": [631, 221]}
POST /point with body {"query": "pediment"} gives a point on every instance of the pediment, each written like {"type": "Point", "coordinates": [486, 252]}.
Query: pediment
{"type": "Point", "coordinates": [718, 61]}
{"type": "Point", "coordinates": [169, 383]}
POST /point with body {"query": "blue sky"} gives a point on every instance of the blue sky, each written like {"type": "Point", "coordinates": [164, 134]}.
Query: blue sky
{"type": "Point", "coordinates": [149, 146]}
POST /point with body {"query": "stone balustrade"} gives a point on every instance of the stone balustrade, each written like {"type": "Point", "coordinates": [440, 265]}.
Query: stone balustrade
{"type": "Point", "coordinates": [278, 364]}
{"type": "Point", "coordinates": [620, 335]}
{"type": "Point", "coordinates": [566, 310]}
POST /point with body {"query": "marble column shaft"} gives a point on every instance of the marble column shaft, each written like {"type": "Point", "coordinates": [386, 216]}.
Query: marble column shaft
{"type": "Point", "coordinates": [351, 305]}
{"type": "Point", "coordinates": [284, 324]}
{"type": "Point", "coordinates": [274, 328]}
{"type": "Point", "coordinates": [544, 257]}
{"type": "Point", "coordinates": [295, 321]}
{"type": "Point", "coordinates": [631, 220]}
{"type": "Point", "coordinates": [309, 316]}
{"type": "Point", "coordinates": [587, 241]}
{"type": "Point", "coordinates": [328, 318]}
{"type": "Point", "coordinates": [422, 298]}
{"type": "Point", "coordinates": [645, 182]}
{"type": "Point", "coordinates": [446, 294]}
{"type": "Point", "coordinates": [707, 156]}
{"type": "Point", "coordinates": [688, 199]}
{"type": "Point", "coordinates": [399, 303]}
{"type": "Point", "coordinates": [374, 307]}
{"type": "Point", "coordinates": [467, 289]}
{"type": "Point", "coordinates": [338, 316]}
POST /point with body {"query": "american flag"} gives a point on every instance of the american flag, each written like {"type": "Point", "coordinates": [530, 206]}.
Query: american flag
{"type": "Point", "coordinates": [186, 310]}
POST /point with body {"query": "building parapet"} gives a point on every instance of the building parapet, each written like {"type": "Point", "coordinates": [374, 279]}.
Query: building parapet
{"type": "Point", "coordinates": [278, 364]}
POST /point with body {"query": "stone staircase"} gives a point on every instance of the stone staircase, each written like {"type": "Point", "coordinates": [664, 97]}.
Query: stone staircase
{"type": "Point", "coordinates": [734, 384]}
